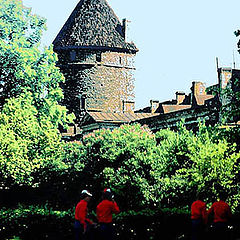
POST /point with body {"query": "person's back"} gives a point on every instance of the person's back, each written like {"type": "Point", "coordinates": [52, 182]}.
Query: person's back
{"type": "Point", "coordinates": [198, 211]}
{"type": "Point", "coordinates": [221, 215]}
{"type": "Point", "coordinates": [199, 219]}
{"type": "Point", "coordinates": [81, 220]}
{"type": "Point", "coordinates": [104, 211]}
{"type": "Point", "coordinates": [221, 211]}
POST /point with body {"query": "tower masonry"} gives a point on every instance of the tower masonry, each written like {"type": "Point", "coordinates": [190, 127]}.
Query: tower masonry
{"type": "Point", "coordinates": [96, 60]}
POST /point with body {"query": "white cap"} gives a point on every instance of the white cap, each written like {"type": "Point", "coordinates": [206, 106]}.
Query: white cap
{"type": "Point", "coordinates": [86, 192]}
{"type": "Point", "coordinates": [107, 190]}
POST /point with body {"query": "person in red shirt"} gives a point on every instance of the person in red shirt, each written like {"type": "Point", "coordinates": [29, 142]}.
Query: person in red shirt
{"type": "Point", "coordinates": [221, 215]}
{"type": "Point", "coordinates": [81, 220]}
{"type": "Point", "coordinates": [198, 217]}
{"type": "Point", "coordinates": [104, 211]}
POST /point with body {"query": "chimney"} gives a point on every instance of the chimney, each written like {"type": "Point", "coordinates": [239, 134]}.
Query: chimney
{"type": "Point", "coordinates": [154, 104]}
{"type": "Point", "coordinates": [224, 76]}
{"type": "Point", "coordinates": [198, 88]}
{"type": "Point", "coordinates": [128, 106]}
{"type": "Point", "coordinates": [180, 96]}
{"type": "Point", "coordinates": [125, 30]}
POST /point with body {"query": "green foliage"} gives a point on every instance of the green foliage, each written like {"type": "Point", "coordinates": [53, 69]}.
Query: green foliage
{"type": "Point", "coordinates": [43, 222]}
{"type": "Point", "coordinates": [154, 176]}
{"type": "Point", "coordinates": [35, 222]}
{"type": "Point", "coordinates": [231, 100]}
{"type": "Point", "coordinates": [122, 159]}
{"type": "Point", "coordinates": [26, 145]}
{"type": "Point", "coordinates": [72, 153]}
{"type": "Point", "coordinates": [22, 211]}
{"type": "Point", "coordinates": [162, 170]}
{"type": "Point", "coordinates": [29, 99]}
{"type": "Point", "coordinates": [230, 109]}
{"type": "Point", "coordinates": [199, 162]}
{"type": "Point", "coordinates": [23, 67]}
{"type": "Point", "coordinates": [237, 34]}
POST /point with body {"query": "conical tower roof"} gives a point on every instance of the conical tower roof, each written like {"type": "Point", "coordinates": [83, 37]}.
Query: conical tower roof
{"type": "Point", "coordinates": [94, 25]}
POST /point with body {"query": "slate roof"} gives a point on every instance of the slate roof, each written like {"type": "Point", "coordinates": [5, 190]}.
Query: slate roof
{"type": "Point", "coordinates": [174, 108]}
{"type": "Point", "coordinates": [93, 24]}
{"type": "Point", "coordinates": [200, 99]}
{"type": "Point", "coordinates": [110, 117]}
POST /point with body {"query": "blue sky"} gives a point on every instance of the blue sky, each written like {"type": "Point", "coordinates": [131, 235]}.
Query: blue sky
{"type": "Point", "coordinates": [178, 41]}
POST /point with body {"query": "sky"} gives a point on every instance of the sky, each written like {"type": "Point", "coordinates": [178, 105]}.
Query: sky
{"type": "Point", "coordinates": [178, 40]}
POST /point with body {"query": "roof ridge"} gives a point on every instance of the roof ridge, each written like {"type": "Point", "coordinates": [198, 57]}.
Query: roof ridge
{"type": "Point", "coordinates": [93, 23]}
{"type": "Point", "coordinates": [112, 10]}
{"type": "Point", "coordinates": [69, 20]}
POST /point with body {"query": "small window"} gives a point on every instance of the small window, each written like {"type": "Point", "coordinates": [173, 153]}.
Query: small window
{"type": "Point", "coordinates": [120, 60]}
{"type": "Point", "coordinates": [73, 55]}
{"type": "Point", "coordinates": [99, 57]}
{"type": "Point", "coordinates": [83, 103]}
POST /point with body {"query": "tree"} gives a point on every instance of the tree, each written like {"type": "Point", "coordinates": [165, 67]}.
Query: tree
{"type": "Point", "coordinates": [29, 99]}
{"type": "Point", "coordinates": [26, 145]}
{"type": "Point", "coordinates": [23, 67]}
{"type": "Point", "coordinates": [231, 95]}
{"type": "Point", "coordinates": [188, 163]}
{"type": "Point", "coordinates": [120, 159]}
{"type": "Point", "coordinates": [149, 170]}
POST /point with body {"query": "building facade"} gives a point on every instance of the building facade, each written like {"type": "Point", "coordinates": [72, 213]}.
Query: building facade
{"type": "Point", "coordinates": [201, 104]}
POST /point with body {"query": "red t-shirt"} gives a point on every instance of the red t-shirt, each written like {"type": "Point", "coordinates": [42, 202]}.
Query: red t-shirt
{"type": "Point", "coordinates": [81, 213]}
{"type": "Point", "coordinates": [198, 211]}
{"type": "Point", "coordinates": [105, 209]}
{"type": "Point", "coordinates": [221, 210]}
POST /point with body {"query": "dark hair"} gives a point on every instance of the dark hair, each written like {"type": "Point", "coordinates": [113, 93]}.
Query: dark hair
{"type": "Point", "coordinates": [200, 195]}
{"type": "Point", "coordinates": [222, 195]}
{"type": "Point", "coordinates": [107, 196]}
{"type": "Point", "coordinates": [83, 195]}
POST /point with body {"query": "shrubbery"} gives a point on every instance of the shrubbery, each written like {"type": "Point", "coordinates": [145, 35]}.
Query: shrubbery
{"type": "Point", "coordinates": [153, 170]}
{"type": "Point", "coordinates": [42, 222]}
{"type": "Point", "coordinates": [143, 169]}
{"type": "Point", "coordinates": [148, 172]}
{"type": "Point", "coordinates": [35, 222]}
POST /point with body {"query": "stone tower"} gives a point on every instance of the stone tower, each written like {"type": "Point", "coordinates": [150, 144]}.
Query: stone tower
{"type": "Point", "coordinates": [96, 60]}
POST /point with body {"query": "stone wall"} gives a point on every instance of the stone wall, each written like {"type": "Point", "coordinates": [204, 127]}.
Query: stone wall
{"type": "Point", "coordinates": [96, 80]}
{"type": "Point", "coordinates": [208, 114]}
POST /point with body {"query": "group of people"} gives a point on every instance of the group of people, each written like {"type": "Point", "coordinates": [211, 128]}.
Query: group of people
{"type": "Point", "coordinates": [218, 215]}
{"type": "Point", "coordinates": [104, 211]}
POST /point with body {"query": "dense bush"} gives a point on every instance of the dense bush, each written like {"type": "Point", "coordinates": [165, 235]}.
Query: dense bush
{"type": "Point", "coordinates": [187, 163]}
{"type": "Point", "coordinates": [36, 222]}
{"type": "Point", "coordinates": [26, 145]}
{"type": "Point", "coordinates": [122, 160]}
{"type": "Point", "coordinates": [147, 170]}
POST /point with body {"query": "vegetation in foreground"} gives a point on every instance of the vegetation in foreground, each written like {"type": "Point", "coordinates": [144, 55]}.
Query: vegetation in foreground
{"type": "Point", "coordinates": [154, 176]}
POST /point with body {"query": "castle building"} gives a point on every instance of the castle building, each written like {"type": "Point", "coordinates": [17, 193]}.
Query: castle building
{"type": "Point", "coordinates": [202, 103]}
{"type": "Point", "coordinates": [98, 64]}
{"type": "Point", "coordinates": [96, 60]}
